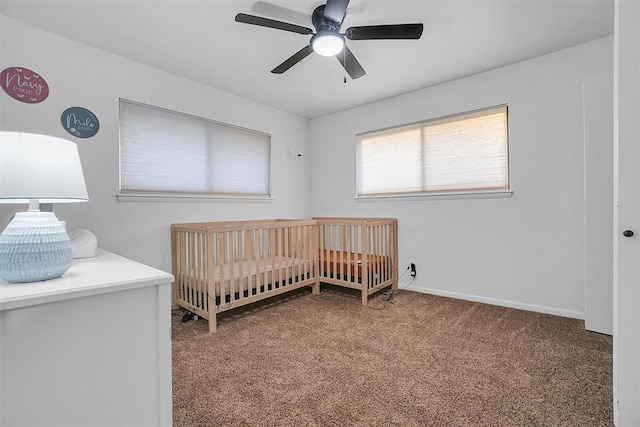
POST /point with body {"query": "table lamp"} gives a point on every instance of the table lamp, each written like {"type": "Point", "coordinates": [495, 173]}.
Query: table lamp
{"type": "Point", "coordinates": [37, 168]}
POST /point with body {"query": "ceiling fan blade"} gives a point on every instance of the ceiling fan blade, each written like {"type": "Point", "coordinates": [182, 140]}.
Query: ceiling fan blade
{"type": "Point", "coordinates": [385, 32]}
{"type": "Point", "coordinates": [272, 23]}
{"type": "Point", "coordinates": [293, 60]}
{"type": "Point", "coordinates": [350, 63]}
{"type": "Point", "coordinates": [271, 10]}
{"type": "Point", "coordinates": [335, 10]}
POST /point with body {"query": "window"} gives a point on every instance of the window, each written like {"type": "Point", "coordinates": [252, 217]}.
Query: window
{"type": "Point", "coordinates": [463, 153]}
{"type": "Point", "coordinates": [165, 153]}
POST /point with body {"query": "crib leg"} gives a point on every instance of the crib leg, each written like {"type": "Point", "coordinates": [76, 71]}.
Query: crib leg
{"type": "Point", "coordinates": [212, 322]}
{"type": "Point", "coordinates": [316, 288]}
{"type": "Point", "coordinates": [365, 297]}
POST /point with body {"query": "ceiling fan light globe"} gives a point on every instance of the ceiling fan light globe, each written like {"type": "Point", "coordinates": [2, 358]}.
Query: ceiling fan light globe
{"type": "Point", "coordinates": [327, 43]}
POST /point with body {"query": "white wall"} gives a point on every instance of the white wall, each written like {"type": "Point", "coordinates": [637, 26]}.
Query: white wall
{"type": "Point", "coordinates": [526, 251]}
{"type": "Point", "coordinates": [81, 76]}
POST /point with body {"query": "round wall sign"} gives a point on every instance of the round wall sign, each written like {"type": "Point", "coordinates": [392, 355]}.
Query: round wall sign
{"type": "Point", "coordinates": [80, 122]}
{"type": "Point", "coordinates": [24, 85]}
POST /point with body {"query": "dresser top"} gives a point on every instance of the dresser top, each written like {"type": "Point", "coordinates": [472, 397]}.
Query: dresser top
{"type": "Point", "coordinates": [104, 273]}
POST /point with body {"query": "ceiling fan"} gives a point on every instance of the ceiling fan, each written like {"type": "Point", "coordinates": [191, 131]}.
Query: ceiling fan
{"type": "Point", "coordinates": [327, 40]}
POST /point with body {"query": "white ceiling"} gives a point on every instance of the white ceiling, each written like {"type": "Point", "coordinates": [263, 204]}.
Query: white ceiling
{"type": "Point", "coordinates": [200, 40]}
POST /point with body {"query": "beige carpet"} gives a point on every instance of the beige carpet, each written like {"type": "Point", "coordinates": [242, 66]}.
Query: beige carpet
{"type": "Point", "coordinates": [306, 360]}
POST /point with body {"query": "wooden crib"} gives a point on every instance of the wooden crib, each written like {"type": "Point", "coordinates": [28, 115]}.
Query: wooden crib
{"type": "Point", "coordinates": [359, 253]}
{"type": "Point", "coordinates": [219, 266]}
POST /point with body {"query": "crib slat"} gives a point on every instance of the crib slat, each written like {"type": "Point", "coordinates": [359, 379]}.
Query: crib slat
{"type": "Point", "coordinates": [382, 268]}
{"type": "Point", "coordinates": [180, 250]}
{"type": "Point", "coordinates": [294, 252]}
{"type": "Point", "coordinates": [259, 277]}
{"type": "Point", "coordinates": [189, 282]}
{"type": "Point", "coordinates": [374, 257]}
{"type": "Point", "coordinates": [341, 250]}
{"type": "Point", "coordinates": [298, 274]}
{"type": "Point", "coordinates": [190, 267]}
{"type": "Point", "coordinates": [265, 259]}
{"type": "Point", "coordinates": [272, 260]}
{"type": "Point", "coordinates": [387, 253]}
{"type": "Point", "coordinates": [192, 284]}
{"type": "Point", "coordinates": [200, 276]}
{"type": "Point", "coordinates": [269, 258]}
{"type": "Point", "coordinates": [211, 285]}
{"type": "Point", "coordinates": [257, 242]}
{"type": "Point", "coordinates": [175, 294]}
{"type": "Point", "coordinates": [321, 247]}
{"type": "Point", "coordinates": [302, 272]}
{"type": "Point", "coordinates": [228, 268]}
{"type": "Point", "coordinates": [305, 253]}
{"type": "Point", "coordinates": [185, 279]}
{"type": "Point", "coordinates": [365, 264]}
{"type": "Point", "coordinates": [309, 254]}
{"type": "Point", "coordinates": [352, 261]}
{"type": "Point", "coordinates": [205, 273]}
{"type": "Point", "coordinates": [237, 258]}
{"type": "Point", "coordinates": [297, 259]}
{"type": "Point", "coordinates": [281, 258]}
{"type": "Point", "coordinates": [250, 251]}
{"type": "Point", "coordinates": [195, 284]}
{"type": "Point", "coordinates": [334, 244]}
{"type": "Point", "coordinates": [222, 268]}
{"type": "Point", "coordinates": [180, 264]}
{"type": "Point", "coordinates": [295, 262]}
{"type": "Point", "coordinates": [287, 253]}
{"type": "Point", "coordinates": [378, 256]}
{"type": "Point", "coordinates": [313, 255]}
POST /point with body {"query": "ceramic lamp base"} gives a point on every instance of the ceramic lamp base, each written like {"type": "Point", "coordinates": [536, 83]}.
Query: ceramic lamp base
{"type": "Point", "coordinates": [34, 246]}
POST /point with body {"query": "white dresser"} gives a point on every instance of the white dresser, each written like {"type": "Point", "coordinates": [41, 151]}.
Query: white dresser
{"type": "Point", "coordinates": [92, 348]}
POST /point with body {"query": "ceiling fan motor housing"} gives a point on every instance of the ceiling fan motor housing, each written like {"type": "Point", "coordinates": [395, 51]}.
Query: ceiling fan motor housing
{"type": "Point", "coordinates": [321, 23]}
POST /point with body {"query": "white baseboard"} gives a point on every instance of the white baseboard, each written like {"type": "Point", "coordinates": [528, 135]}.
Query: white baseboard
{"type": "Point", "coordinates": [494, 301]}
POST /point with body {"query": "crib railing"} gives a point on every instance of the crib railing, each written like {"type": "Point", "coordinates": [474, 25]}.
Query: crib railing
{"type": "Point", "coordinates": [255, 259]}
{"type": "Point", "coordinates": [222, 265]}
{"type": "Point", "coordinates": [360, 253]}
{"type": "Point", "coordinates": [190, 255]}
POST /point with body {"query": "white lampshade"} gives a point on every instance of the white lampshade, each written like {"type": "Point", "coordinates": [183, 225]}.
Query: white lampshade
{"type": "Point", "coordinates": [34, 168]}
{"type": "Point", "coordinates": [40, 167]}
{"type": "Point", "coordinates": [327, 43]}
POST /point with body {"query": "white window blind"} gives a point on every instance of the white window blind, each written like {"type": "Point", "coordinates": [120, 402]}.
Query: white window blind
{"type": "Point", "coordinates": [170, 153]}
{"type": "Point", "coordinates": [465, 152]}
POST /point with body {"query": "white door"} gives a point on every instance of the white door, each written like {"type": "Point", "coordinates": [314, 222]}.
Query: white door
{"type": "Point", "coordinates": [598, 191]}
{"type": "Point", "coordinates": [626, 328]}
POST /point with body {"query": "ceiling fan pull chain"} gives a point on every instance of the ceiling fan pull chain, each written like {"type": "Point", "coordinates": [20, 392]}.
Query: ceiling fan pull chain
{"type": "Point", "coordinates": [344, 60]}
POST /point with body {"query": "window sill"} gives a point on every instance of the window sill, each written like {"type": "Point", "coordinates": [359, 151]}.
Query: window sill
{"type": "Point", "coordinates": [173, 198]}
{"type": "Point", "coordinates": [491, 194]}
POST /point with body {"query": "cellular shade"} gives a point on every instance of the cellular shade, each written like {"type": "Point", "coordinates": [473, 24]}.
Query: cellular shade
{"type": "Point", "coordinates": [166, 152]}
{"type": "Point", "coordinates": [465, 152]}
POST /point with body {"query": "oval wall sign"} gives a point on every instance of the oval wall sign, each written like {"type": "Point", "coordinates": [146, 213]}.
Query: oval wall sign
{"type": "Point", "coordinates": [24, 85]}
{"type": "Point", "coordinates": [80, 122]}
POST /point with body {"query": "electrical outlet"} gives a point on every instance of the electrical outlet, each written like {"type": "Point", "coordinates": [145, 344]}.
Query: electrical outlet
{"type": "Point", "coordinates": [412, 267]}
